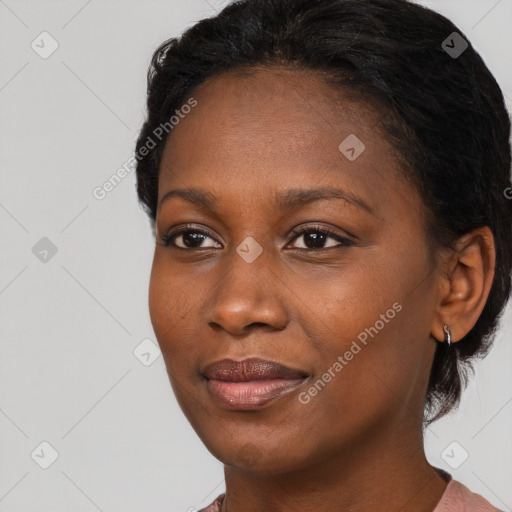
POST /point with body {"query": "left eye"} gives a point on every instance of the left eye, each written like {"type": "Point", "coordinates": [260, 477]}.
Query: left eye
{"type": "Point", "coordinates": [315, 238]}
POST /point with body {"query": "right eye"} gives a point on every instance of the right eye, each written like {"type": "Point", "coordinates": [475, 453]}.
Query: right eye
{"type": "Point", "coordinates": [188, 237]}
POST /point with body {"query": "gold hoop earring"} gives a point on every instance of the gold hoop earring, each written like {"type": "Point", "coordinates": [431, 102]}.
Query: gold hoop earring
{"type": "Point", "coordinates": [447, 335]}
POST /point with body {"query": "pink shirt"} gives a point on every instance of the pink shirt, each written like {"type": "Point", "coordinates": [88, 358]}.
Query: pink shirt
{"type": "Point", "coordinates": [456, 498]}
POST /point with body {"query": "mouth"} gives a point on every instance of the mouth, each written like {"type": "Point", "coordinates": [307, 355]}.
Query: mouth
{"type": "Point", "coordinates": [251, 383]}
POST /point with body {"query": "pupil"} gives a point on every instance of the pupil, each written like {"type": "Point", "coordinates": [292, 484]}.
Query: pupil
{"type": "Point", "coordinates": [316, 237]}
{"type": "Point", "coordinates": [187, 237]}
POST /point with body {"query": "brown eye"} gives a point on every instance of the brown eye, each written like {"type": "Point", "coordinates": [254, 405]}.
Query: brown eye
{"type": "Point", "coordinates": [189, 237]}
{"type": "Point", "coordinates": [316, 237]}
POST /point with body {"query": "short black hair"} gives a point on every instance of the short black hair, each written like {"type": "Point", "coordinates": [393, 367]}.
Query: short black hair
{"type": "Point", "coordinates": [443, 112]}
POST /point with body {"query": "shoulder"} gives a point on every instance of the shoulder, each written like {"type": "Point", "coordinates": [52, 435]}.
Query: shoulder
{"type": "Point", "coordinates": [215, 505]}
{"type": "Point", "coordinates": [458, 498]}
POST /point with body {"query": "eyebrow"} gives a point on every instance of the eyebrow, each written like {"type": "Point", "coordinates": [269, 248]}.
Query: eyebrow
{"type": "Point", "coordinates": [287, 200]}
{"type": "Point", "coordinates": [299, 197]}
{"type": "Point", "coordinates": [197, 196]}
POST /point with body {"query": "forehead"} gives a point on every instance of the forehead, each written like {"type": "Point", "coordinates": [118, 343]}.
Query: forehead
{"type": "Point", "coordinates": [276, 107]}
{"type": "Point", "coordinates": [273, 127]}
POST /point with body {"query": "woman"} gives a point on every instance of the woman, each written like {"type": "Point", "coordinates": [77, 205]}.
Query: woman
{"type": "Point", "coordinates": [326, 182]}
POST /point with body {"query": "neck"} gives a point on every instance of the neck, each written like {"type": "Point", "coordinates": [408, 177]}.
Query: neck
{"type": "Point", "coordinates": [387, 472]}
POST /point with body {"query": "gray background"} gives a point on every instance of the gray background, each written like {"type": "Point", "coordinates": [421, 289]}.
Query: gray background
{"type": "Point", "coordinates": [71, 321]}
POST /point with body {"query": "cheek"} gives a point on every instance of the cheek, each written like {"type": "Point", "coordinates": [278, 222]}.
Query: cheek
{"type": "Point", "coordinates": [360, 382]}
{"type": "Point", "coordinates": [342, 304]}
{"type": "Point", "coordinates": [176, 309]}
{"type": "Point", "coordinates": [162, 303]}
{"type": "Point", "coordinates": [171, 307]}
{"type": "Point", "coordinates": [357, 330]}
{"type": "Point", "coordinates": [370, 333]}
{"type": "Point", "coordinates": [168, 305]}
{"type": "Point", "coordinates": [170, 297]}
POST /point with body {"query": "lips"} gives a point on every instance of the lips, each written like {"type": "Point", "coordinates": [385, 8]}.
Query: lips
{"type": "Point", "coordinates": [250, 369]}
{"type": "Point", "coordinates": [251, 383]}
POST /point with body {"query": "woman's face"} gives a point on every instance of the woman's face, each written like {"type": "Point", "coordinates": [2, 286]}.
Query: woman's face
{"type": "Point", "coordinates": [351, 310]}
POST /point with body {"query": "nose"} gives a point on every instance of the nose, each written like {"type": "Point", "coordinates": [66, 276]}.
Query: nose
{"type": "Point", "coordinates": [249, 295]}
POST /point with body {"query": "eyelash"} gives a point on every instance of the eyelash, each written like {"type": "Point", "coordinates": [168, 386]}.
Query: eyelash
{"type": "Point", "coordinates": [167, 239]}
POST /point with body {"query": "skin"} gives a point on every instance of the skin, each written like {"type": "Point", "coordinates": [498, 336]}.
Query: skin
{"type": "Point", "coordinates": [358, 444]}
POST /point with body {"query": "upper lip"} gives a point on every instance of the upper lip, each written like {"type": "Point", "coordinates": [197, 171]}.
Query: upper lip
{"type": "Point", "coordinates": [250, 369]}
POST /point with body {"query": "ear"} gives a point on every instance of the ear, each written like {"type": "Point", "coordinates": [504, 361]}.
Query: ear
{"type": "Point", "coordinates": [465, 284]}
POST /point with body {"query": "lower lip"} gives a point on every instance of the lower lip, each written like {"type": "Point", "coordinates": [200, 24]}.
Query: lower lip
{"type": "Point", "coordinates": [250, 394]}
